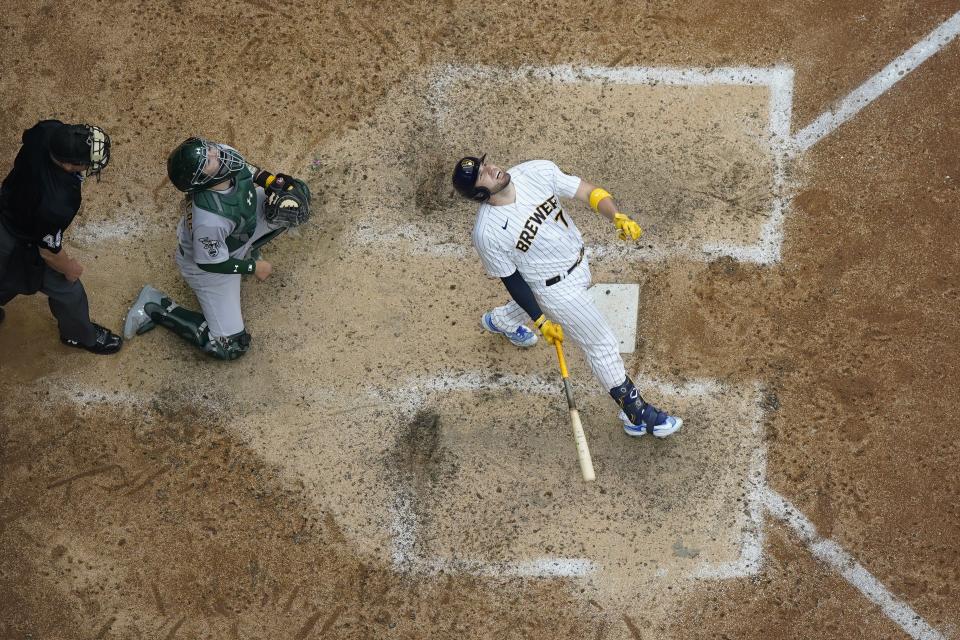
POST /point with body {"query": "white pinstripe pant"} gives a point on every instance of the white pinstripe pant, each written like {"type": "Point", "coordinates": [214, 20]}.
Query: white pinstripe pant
{"type": "Point", "coordinates": [568, 303]}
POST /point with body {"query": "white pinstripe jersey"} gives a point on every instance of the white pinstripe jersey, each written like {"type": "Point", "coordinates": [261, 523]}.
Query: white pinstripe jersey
{"type": "Point", "coordinates": [533, 234]}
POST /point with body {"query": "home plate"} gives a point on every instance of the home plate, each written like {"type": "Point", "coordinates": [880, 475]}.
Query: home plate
{"type": "Point", "coordinates": [618, 303]}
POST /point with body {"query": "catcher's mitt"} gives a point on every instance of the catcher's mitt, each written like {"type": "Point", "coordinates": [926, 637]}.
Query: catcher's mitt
{"type": "Point", "coordinates": [289, 207]}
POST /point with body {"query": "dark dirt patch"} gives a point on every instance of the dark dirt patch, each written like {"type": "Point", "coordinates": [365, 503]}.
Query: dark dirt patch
{"type": "Point", "coordinates": [422, 439]}
{"type": "Point", "coordinates": [160, 523]}
{"type": "Point", "coordinates": [202, 534]}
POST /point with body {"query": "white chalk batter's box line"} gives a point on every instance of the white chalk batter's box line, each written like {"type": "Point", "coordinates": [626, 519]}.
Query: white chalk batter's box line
{"type": "Point", "coordinates": [405, 522]}
{"type": "Point", "coordinates": [761, 501]}
{"type": "Point", "coordinates": [874, 87]}
{"type": "Point", "coordinates": [778, 81]}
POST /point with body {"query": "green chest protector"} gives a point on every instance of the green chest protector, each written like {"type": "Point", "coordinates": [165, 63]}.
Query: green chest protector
{"type": "Point", "coordinates": [239, 207]}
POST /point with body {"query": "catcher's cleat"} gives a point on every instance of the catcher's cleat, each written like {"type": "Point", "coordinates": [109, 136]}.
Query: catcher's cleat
{"type": "Point", "coordinates": [520, 337]}
{"type": "Point", "coordinates": [138, 321]}
{"type": "Point", "coordinates": [653, 421]}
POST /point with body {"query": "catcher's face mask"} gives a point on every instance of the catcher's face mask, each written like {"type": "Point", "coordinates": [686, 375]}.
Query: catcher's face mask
{"type": "Point", "coordinates": [99, 143]}
{"type": "Point", "coordinates": [218, 163]}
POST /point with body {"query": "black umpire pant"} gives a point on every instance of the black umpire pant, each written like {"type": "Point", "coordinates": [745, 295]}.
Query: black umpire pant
{"type": "Point", "coordinates": [20, 274]}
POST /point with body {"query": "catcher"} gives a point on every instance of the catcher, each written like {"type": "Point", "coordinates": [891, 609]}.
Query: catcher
{"type": "Point", "coordinates": [231, 209]}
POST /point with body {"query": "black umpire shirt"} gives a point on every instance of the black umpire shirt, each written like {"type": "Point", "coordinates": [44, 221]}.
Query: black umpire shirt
{"type": "Point", "coordinates": [38, 199]}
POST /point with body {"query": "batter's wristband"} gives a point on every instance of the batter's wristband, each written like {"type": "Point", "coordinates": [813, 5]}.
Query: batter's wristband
{"type": "Point", "coordinates": [596, 196]}
{"type": "Point", "coordinates": [539, 321]}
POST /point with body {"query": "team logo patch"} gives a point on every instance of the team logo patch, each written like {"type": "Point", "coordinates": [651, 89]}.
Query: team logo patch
{"type": "Point", "coordinates": [212, 247]}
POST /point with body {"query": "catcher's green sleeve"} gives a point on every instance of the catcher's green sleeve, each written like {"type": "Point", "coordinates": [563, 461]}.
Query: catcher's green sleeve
{"type": "Point", "coordinates": [231, 265]}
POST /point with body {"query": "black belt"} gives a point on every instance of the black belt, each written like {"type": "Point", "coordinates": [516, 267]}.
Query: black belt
{"type": "Point", "coordinates": [555, 279]}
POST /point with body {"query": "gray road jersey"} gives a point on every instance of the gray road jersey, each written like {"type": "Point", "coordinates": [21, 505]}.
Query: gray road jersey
{"type": "Point", "coordinates": [202, 234]}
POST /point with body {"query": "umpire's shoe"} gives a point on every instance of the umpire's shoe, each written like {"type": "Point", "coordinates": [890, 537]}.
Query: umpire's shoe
{"type": "Point", "coordinates": [652, 421]}
{"type": "Point", "coordinates": [521, 336]}
{"type": "Point", "coordinates": [137, 321]}
{"type": "Point", "coordinates": [3, 314]}
{"type": "Point", "coordinates": [106, 343]}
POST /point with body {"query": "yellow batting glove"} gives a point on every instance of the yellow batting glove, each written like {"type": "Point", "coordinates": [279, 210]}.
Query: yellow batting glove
{"type": "Point", "coordinates": [626, 227]}
{"type": "Point", "coordinates": [552, 332]}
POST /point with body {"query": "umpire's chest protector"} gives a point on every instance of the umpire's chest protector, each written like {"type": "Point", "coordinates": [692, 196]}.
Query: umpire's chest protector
{"type": "Point", "coordinates": [239, 206]}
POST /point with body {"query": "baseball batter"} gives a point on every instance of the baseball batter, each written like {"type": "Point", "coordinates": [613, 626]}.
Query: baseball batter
{"type": "Point", "coordinates": [231, 209]}
{"type": "Point", "coordinates": [525, 238]}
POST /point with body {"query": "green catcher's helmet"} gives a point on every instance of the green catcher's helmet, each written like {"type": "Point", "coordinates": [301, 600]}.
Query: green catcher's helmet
{"type": "Point", "coordinates": [185, 166]}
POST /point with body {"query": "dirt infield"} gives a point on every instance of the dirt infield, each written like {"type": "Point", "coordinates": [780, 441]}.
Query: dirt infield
{"type": "Point", "coordinates": [376, 466]}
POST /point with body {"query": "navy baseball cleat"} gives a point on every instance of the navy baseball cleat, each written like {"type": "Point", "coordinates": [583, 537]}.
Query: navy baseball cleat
{"type": "Point", "coordinates": [521, 336]}
{"type": "Point", "coordinates": [105, 343]}
{"type": "Point", "coordinates": [653, 421]}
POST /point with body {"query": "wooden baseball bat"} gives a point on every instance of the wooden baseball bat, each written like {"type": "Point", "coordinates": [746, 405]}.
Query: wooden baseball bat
{"type": "Point", "coordinates": [583, 451]}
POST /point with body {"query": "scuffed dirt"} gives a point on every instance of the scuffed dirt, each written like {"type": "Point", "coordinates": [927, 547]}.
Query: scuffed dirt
{"type": "Point", "coordinates": [158, 494]}
{"type": "Point", "coordinates": [143, 523]}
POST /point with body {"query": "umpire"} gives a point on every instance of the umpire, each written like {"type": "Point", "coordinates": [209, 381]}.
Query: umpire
{"type": "Point", "coordinates": [38, 200]}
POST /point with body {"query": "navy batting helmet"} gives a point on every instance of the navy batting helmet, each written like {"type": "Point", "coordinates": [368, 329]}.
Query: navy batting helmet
{"type": "Point", "coordinates": [465, 179]}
